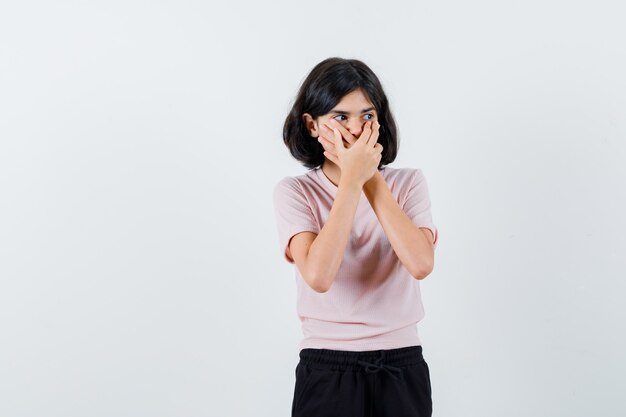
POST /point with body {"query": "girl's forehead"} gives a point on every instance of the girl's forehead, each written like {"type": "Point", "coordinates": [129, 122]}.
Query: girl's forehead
{"type": "Point", "coordinates": [355, 100]}
{"type": "Point", "coordinates": [352, 109]}
{"type": "Point", "coordinates": [355, 96]}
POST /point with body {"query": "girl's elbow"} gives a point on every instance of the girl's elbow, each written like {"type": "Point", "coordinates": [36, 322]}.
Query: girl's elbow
{"type": "Point", "coordinates": [422, 272]}
{"type": "Point", "coordinates": [317, 285]}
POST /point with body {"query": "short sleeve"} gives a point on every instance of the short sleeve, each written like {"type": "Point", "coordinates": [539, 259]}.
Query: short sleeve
{"type": "Point", "coordinates": [293, 213]}
{"type": "Point", "coordinates": [417, 205]}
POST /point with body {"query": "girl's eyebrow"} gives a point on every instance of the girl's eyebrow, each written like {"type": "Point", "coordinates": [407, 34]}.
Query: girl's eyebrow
{"type": "Point", "coordinates": [345, 112]}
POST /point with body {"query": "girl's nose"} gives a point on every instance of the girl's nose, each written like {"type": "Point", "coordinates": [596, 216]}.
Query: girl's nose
{"type": "Point", "coordinates": [355, 127]}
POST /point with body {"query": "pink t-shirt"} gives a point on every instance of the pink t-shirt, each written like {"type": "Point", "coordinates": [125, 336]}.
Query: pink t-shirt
{"type": "Point", "coordinates": [373, 303]}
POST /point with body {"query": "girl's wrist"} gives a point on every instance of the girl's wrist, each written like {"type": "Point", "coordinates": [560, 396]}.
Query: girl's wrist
{"type": "Point", "coordinates": [374, 182]}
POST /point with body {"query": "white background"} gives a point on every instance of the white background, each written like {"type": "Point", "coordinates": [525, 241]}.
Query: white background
{"type": "Point", "coordinates": [140, 273]}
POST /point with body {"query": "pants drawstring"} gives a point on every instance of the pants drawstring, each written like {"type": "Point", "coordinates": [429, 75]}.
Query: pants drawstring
{"type": "Point", "coordinates": [378, 365]}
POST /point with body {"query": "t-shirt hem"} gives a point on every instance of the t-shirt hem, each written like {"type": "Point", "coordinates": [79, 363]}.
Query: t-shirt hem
{"type": "Point", "coordinates": [358, 346]}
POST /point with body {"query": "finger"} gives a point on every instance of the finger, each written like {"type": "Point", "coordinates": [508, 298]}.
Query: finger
{"type": "Point", "coordinates": [373, 139]}
{"type": "Point", "coordinates": [366, 133]}
{"type": "Point", "coordinates": [337, 140]}
{"type": "Point", "coordinates": [327, 145]}
{"type": "Point", "coordinates": [343, 131]}
{"type": "Point", "coordinates": [326, 132]}
{"type": "Point", "coordinates": [333, 158]}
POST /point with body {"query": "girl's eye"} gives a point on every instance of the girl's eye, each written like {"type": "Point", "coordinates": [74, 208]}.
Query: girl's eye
{"type": "Point", "coordinates": [343, 115]}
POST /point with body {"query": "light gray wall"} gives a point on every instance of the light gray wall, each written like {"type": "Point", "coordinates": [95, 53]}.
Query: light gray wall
{"type": "Point", "coordinates": [140, 272]}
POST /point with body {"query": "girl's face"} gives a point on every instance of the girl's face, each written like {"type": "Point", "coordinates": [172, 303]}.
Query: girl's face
{"type": "Point", "coordinates": [352, 111]}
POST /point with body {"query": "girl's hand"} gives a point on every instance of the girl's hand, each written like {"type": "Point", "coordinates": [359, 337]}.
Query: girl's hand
{"type": "Point", "coordinates": [358, 161]}
{"type": "Point", "coordinates": [328, 143]}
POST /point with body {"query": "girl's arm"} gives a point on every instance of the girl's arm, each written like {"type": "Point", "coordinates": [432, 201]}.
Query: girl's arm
{"type": "Point", "coordinates": [318, 257]}
{"type": "Point", "coordinates": [413, 245]}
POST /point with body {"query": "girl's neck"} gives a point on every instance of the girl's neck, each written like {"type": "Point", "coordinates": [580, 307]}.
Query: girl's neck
{"type": "Point", "coordinates": [332, 171]}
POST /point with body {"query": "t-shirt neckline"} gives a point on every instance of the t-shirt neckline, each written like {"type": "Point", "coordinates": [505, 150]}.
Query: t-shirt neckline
{"type": "Point", "coordinates": [325, 179]}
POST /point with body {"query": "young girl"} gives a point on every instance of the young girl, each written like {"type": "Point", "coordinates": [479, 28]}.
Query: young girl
{"type": "Point", "coordinates": [361, 237]}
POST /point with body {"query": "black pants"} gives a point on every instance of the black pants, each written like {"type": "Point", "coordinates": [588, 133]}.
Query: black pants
{"type": "Point", "coordinates": [375, 383]}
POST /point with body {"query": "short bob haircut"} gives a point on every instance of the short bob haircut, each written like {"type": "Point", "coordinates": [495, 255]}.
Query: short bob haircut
{"type": "Point", "coordinates": [327, 83]}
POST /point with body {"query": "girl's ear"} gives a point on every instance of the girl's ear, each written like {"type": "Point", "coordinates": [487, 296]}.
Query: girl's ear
{"type": "Point", "coordinates": [311, 125]}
